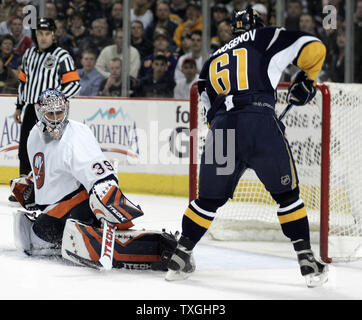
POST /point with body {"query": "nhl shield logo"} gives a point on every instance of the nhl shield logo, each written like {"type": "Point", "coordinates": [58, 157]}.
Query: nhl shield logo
{"type": "Point", "coordinates": [49, 62]}
{"type": "Point", "coordinates": [39, 169]}
{"type": "Point", "coordinates": [285, 180]}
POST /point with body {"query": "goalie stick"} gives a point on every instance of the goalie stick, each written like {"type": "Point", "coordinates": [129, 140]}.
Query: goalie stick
{"type": "Point", "coordinates": [108, 238]}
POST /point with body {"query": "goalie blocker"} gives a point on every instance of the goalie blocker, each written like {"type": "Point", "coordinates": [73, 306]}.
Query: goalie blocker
{"type": "Point", "coordinates": [133, 249]}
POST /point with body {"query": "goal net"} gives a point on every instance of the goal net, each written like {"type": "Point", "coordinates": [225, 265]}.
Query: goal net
{"type": "Point", "coordinates": [325, 139]}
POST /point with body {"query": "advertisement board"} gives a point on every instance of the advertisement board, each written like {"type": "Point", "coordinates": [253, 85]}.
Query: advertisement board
{"type": "Point", "coordinates": [139, 136]}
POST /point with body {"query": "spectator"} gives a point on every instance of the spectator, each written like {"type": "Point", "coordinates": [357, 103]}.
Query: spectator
{"type": "Point", "coordinates": [115, 21]}
{"type": "Point", "coordinates": [114, 51]}
{"type": "Point", "coordinates": [5, 27]}
{"type": "Point", "coordinates": [141, 12]}
{"type": "Point", "coordinates": [178, 8]}
{"type": "Point", "coordinates": [8, 9]}
{"type": "Point", "coordinates": [294, 10]}
{"type": "Point", "coordinates": [263, 12]}
{"type": "Point", "coordinates": [64, 40]}
{"type": "Point", "coordinates": [183, 86]}
{"type": "Point", "coordinates": [22, 42]}
{"type": "Point", "coordinates": [10, 59]}
{"type": "Point", "coordinates": [27, 31]}
{"type": "Point", "coordinates": [157, 84]}
{"type": "Point", "coordinates": [196, 53]}
{"type": "Point", "coordinates": [193, 22]}
{"type": "Point", "coordinates": [307, 24]}
{"type": "Point", "coordinates": [224, 35]}
{"type": "Point", "coordinates": [336, 67]}
{"type": "Point", "coordinates": [139, 41]}
{"type": "Point", "coordinates": [76, 28]}
{"type": "Point", "coordinates": [90, 78]}
{"type": "Point", "coordinates": [104, 8]}
{"type": "Point", "coordinates": [98, 37]}
{"type": "Point", "coordinates": [219, 13]}
{"type": "Point", "coordinates": [186, 43]}
{"type": "Point", "coordinates": [162, 21]}
{"type": "Point", "coordinates": [88, 9]}
{"type": "Point", "coordinates": [237, 5]}
{"type": "Point", "coordinates": [112, 86]}
{"type": "Point", "coordinates": [8, 79]}
{"type": "Point", "coordinates": [51, 10]}
{"type": "Point", "coordinates": [161, 44]}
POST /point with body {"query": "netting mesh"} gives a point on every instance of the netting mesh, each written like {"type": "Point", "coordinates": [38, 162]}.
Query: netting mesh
{"type": "Point", "coordinates": [251, 214]}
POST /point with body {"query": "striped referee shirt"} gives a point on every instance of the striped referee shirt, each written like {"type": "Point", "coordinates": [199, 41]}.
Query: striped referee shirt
{"type": "Point", "coordinates": [41, 70]}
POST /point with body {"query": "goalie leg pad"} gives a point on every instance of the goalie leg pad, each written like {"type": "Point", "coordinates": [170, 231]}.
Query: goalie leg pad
{"type": "Point", "coordinates": [133, 249]}
{"type": "Point", "coordinates": [26, 240]}
{"type": "Point", "coordinates": [108, 202]}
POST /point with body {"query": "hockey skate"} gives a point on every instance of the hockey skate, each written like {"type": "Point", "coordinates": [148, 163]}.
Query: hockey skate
{"type": "Point", "coordinates": [314, 272]}
{"type": "Point", "coordinates": [181, 264]}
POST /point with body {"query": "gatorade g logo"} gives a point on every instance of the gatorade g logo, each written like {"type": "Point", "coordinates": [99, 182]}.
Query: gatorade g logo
{"type": "Point", "coordinates": [39, 169]}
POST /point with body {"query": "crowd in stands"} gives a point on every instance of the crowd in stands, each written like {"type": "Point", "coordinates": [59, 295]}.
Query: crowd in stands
{"type": "Point", "coordinates": [166, 41]}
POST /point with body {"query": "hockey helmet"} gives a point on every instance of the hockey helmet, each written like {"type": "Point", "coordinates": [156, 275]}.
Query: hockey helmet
{"type": "Point", "coordinates": [53, 111]}
{"type": "Point", "coordinates": [243, 21]}
{"type": "Point", "coordinates": [46, 24]}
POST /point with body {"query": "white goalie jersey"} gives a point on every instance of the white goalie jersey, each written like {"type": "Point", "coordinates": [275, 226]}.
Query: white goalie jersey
{"type": "Point", "coordinates": [61, 167]}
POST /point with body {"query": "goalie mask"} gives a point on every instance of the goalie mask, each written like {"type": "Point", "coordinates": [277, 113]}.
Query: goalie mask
{"type": "Point", "coordinates": [246, 20]}
{"type": "Point", "coordinates": [52, 111]}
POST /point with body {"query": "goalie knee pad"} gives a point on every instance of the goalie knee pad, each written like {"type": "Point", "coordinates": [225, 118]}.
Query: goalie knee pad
{"type": "Point", "coordinates": [108, 202]}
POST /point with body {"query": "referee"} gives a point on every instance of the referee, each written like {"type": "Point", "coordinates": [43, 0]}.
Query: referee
{"type": "Point", "coordinates": [44, 66]}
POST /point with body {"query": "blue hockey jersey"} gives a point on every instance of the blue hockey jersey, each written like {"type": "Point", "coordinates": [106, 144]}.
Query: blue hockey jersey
{"type": "Point", "coordinates": [251, 64]}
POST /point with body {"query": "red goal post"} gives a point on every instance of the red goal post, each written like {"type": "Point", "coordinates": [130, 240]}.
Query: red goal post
{"type": "Point", "coordinates": [316, 135]}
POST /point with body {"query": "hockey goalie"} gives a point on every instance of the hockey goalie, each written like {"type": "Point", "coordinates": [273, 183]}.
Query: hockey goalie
{"type": "Point", "coordinates": [74, 207]}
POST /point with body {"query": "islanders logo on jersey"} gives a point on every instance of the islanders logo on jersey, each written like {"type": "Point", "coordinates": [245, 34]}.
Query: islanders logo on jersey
{"type": "Point", "coordinates": [39, 169]}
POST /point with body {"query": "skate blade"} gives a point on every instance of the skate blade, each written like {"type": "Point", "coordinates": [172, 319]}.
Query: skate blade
{"type": "Point", "coordinates": [172, 275]}
{"type": "Point", "coordinates": [316, 280]}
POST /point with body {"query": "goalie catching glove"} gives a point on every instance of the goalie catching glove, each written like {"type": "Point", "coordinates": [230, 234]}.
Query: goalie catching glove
{"type": "Point", "coordinates": [301, 91]}
{"type": "Point", "coordinates": [109, 203]}
{"type": "Point", "coordinates": [23, 190]}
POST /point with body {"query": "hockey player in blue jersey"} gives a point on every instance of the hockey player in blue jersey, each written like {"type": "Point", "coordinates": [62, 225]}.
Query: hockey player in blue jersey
{"type": "Point", "coordinates": [237, 88]}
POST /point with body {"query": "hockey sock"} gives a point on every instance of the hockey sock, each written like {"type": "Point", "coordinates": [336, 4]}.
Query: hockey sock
{"type": "Point", "coordinates": [197, 220]}
{"type": "Point", "coordinates": [294, 221]}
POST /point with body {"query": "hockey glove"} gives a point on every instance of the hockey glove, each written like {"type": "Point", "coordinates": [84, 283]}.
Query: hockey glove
{"type": "Point", "coordinates": [301, 91]}
{"type": "Point", "coordinates": [23, 190]}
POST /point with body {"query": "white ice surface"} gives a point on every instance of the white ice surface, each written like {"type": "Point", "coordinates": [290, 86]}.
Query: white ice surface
{"type": "Point", "coordinates": [225, 270]}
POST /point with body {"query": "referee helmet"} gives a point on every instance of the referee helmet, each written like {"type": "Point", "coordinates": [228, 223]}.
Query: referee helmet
{"type": "Point", "coordinates": [46, 24]}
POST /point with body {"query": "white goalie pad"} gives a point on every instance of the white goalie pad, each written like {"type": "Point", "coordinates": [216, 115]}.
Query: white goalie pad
{"type": "Point", "coordinates": [25, 238]}
{"type": "Point", "coordinates": [21, 229]}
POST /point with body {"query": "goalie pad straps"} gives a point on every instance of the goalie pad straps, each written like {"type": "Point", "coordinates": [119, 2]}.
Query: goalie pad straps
{"type": "Point", "coordinates": [133, 249]}
{"type": "Point", "coordinates": [108, 202]}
